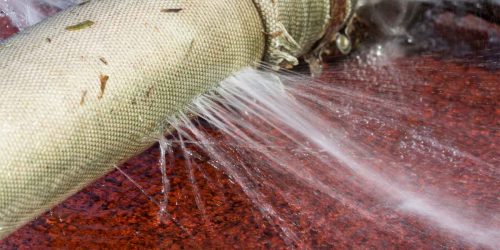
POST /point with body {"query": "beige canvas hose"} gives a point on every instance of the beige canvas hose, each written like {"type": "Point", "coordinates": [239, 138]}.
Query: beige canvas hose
{"type": "Point", "coordinates": [92, 86]}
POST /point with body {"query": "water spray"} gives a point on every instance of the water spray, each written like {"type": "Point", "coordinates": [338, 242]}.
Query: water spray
{"type": "Point", "coordinates": [100, 79]}
{"type": "Point", "coordinates": [104, 80]}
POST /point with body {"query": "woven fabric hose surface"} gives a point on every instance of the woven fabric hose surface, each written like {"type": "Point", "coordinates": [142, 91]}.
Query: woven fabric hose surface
{"type": "Point", "coordinates": [94, 85]}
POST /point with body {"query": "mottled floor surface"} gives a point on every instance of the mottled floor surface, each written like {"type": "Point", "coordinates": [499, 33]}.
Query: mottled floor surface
{"type": "Point", "coordinates": [460, 88]}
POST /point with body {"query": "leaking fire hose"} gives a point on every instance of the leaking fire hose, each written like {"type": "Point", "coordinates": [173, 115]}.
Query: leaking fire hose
{"type": "Point", "coordinates": [94, 85]}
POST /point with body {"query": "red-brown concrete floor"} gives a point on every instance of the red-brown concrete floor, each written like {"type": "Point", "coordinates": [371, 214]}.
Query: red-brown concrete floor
{"type": "Point", "coordinates": [461, 81]}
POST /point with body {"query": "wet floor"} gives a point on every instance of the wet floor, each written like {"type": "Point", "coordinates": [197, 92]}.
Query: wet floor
{"type": "Point", "coordinates": [449, 94]}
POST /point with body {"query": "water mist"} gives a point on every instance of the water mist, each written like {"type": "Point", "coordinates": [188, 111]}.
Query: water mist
{"type": "Point", "coordinates": [380, 149]}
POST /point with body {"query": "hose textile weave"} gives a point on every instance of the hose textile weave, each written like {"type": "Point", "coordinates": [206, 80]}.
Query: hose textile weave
{"type": "Point", "coordinates": [93, 85]}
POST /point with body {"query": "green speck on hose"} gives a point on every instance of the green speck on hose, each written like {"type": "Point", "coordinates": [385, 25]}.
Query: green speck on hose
{"type": "Point", "coordinates": [84, 2]}
{"type": "Point", "coordinates": [176, 10]}
{"type": "Point", "coordinates": [82, 25]}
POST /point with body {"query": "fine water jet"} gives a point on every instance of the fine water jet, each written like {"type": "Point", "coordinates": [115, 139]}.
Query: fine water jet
{"type": "Point", "coordinates": [392, 145]}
